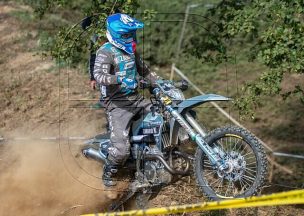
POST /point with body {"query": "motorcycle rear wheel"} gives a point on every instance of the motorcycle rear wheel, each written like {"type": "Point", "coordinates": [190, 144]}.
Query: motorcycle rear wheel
{"type": "Point", "coordinates": [248, 159]}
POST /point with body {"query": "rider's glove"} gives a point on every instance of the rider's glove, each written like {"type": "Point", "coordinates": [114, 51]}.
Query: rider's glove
{"type": "Point", "coordinates": [127, 83]}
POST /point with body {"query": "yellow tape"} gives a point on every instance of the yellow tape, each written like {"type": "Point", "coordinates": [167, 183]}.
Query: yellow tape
{"type": "Point", "coordinates": [284, 198]}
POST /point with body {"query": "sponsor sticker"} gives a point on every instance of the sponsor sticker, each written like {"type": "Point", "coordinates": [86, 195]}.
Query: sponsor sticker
{"type": "Point", "coordinates": [129, 65]}
{"type": "Point", "coordinates": [150, 130]}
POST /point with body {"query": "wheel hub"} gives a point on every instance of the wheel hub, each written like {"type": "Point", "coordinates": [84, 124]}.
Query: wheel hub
{"type": "Point", "coordinates": [236, 165]}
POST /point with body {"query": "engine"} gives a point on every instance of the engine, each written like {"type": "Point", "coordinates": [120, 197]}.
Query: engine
{"type": "Point", "coordinates": [155, 173]}
{"type": "Point", "coordinates": [154, 170]}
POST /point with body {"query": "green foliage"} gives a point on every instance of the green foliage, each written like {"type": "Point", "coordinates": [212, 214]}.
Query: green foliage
{"type": "Point", "coordinates": [43, 6]}
{"type": "Point", "coordinates": [25, 16]}
{"type": "Point", "coordinates": [268, 32]}
{"type": "Point", "coordinates": [161, 37]}
{"type": "Point", "coordinates": [276, 28]}
{"type": "Point", "coordinates": [298, 91]}
{"type": "Point", "coordinates": [71, 42]}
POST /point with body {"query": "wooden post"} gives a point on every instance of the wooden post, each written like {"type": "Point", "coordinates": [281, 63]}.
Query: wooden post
{"type": "Point", "coordinates": [172, 71]}
{"type": "Point", "coordinates": [271, 168]}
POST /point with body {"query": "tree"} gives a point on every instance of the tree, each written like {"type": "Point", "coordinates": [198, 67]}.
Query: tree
{"type": "Point", "coordinates": [71, 42]}
{"type": "Point", "coordinates": [273, 29]}
{"type": "Point", "coordinates": [276, 29]}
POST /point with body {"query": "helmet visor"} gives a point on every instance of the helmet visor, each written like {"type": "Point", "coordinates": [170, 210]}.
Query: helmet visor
{"type": "Point", "coordinates": [128, 37]}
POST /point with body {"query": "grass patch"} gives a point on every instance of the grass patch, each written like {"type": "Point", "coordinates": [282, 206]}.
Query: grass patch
{"type": "Point", "coordinates": [23, 15]}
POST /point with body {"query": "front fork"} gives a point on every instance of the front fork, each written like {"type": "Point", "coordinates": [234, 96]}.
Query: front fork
{"type": "Point", "coordinates": [214, 154]}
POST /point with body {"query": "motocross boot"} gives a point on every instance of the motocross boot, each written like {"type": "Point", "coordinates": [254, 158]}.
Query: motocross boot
{"type": "Point", "coordinates": [104, 148]}
{"type": "Point", "coordinates": [109, 175]}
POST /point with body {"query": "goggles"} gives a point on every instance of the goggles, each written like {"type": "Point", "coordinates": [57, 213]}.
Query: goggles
{"type": "Point", "coordinates": [127, 35]}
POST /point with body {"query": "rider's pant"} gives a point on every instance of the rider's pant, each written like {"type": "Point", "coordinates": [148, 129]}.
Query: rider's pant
{"type": "Point", "coordinates": [120, 119]}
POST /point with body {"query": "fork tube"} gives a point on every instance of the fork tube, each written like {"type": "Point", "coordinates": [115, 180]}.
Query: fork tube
{"type": "Point", "coordinates": [182, 122]}
{"type": "Point", "coordinates": [214, 158]}
{"type": "Point", "coordinates": [202, 132]}
{"type": "Point", "coordinates": [195, 125]}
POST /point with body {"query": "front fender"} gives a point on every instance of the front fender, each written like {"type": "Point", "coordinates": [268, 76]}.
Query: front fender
{"type": "Point", "coordinates": [198, 100]}
{"type": "Point", "coordinates": [187, 105]}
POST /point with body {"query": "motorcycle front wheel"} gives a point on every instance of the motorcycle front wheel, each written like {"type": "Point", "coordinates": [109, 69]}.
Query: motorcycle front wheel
{"type": "Point", "coordinates": [247, 162]}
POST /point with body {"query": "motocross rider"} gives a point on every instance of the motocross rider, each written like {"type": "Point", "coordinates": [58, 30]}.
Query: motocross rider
{"type": "Point", "coordinates": [117, 67]}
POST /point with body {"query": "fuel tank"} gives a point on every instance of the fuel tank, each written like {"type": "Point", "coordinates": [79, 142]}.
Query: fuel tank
{"type": "Point", "coordinates": [151, 125]}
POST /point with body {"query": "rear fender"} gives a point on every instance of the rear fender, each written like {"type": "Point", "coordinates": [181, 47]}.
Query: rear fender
{"type": "Point", "coordinates": [186, 106]}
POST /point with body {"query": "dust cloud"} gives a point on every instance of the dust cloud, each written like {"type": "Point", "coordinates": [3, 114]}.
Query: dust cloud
{"type": "Point", "coordinates": [44, 178]}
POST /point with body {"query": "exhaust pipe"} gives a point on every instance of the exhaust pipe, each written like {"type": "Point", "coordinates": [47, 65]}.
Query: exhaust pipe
{"type": "Point", "coordinates": [166, 165]}
{"type": "Point", "coordinates": [94, 154]}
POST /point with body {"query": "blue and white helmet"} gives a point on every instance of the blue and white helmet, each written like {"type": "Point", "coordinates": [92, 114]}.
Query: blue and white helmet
{"type": "Point", "coordinates": [121, 31]}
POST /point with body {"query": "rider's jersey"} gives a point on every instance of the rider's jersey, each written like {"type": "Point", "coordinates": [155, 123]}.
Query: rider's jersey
{"type": "Point", "coordinates": [112, 62]}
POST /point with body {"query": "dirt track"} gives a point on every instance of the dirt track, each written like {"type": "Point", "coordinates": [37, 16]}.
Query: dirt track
{"type": "Point", "coordinates": [34, 181]}
{"type": "Point", "coordinates": [45, 178]}
{"type": "Point", "coordinates": [41, 177]}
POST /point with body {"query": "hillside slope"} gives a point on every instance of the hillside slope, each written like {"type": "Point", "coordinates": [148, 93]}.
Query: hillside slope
{"type": "Point", "coordinates": [39, 176]}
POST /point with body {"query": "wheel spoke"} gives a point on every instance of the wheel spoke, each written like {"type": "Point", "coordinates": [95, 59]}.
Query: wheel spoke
{"type": "Point", "coordinates": [239, 148]}
{"type": "Point", "coordinates": [208, 166]}
{"type": "Point", "coordinates": [248, 153]}
{"type": "Point", "coordinates": [241, 154]}
{"type": "Point", "coordinates": [219, 143]}
{"type": "Point", "coordinates": [251, 174]}
{"type": "Point", "coordinates": [241, 184]}
{"type": "Point", "coordinates": [250, 170]}
{"type": "Point", "coordinates": [230, 146]}
{"type": "Point", "coordinates": [250, 158]}
{"type": "Point", "coordinates": [250, 163]}
{"type": "Point", "coordinates": [215, 181]}
{"type": "Point", "coordinates": [228, 188]}
{"type": "Point", "coordinates": [221, 185]}
{"type": "Point", "coordinates": [227, 144]}
{"type": "Point", "coordinates": [245, 183]}
{"type": "Point", "coordinates": [212, 172]}
{"type": "Point", "coordinates": [220, 147]}
{"type": "Point", "coordinates": [248, 178]}
{"type": "Point", "coordinates": [236, 143]}
{"type": "Point", "coordinates": [209, 169]}
{"type": "Point", "coordinates": [207, 161]}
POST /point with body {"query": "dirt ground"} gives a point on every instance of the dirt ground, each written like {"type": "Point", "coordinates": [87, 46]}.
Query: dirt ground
{"type": "Point", "coordinates": [40, 177]}
{"type": "Point", "coordinates": [34, 181]}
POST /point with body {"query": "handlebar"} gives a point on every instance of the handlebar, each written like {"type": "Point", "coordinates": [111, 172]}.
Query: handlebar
{"type": "Point", "coordinates": [181, 84]}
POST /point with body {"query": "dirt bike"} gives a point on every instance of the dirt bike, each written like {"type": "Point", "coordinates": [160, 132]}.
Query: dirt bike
{"type": "Point", "coordinates": [229, 161]}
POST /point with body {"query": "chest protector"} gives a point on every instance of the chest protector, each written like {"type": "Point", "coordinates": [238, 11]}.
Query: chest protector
{"type": "Point", "coordinates": [123, 65]}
